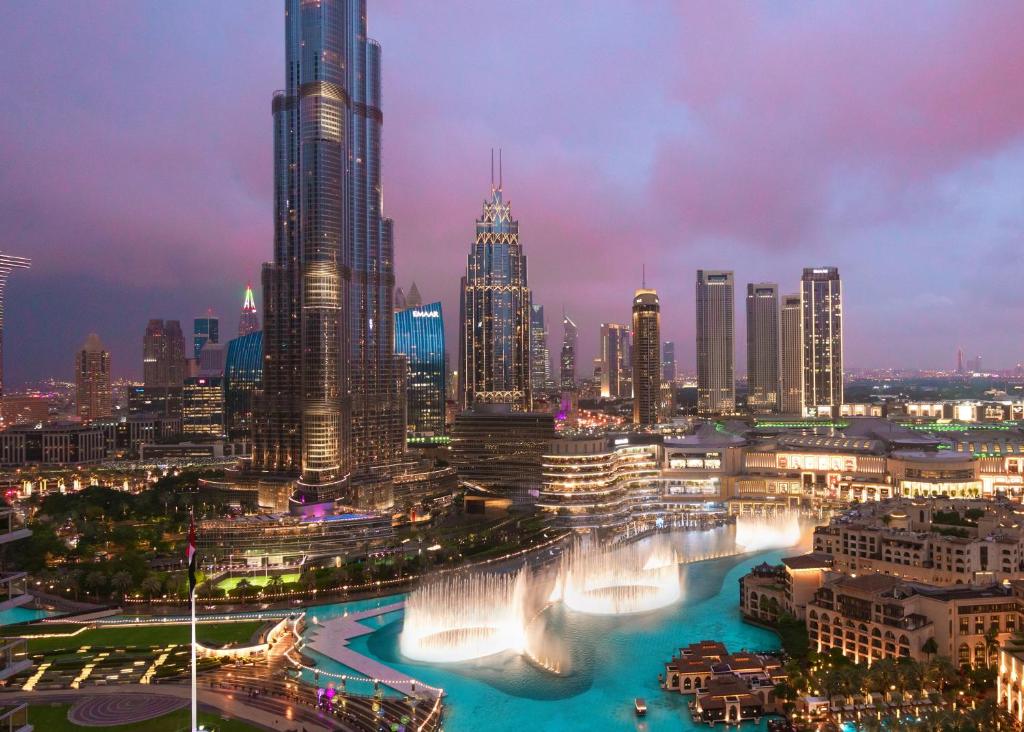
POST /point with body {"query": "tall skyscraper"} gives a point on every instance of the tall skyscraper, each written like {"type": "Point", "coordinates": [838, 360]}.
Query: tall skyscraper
{"type": "Point", "coordinates": [646, 358]}
{"type": "Point", "coordinates": [821, 326]}
{"type": "Point", "coordinates": [494, 358]}
{"type": "Point", "coordinates": [716, 377]}
{"type": "Point", "coordinates": [790, 358]}
{"type": "Point", "coordinates": [248, 320]}
{"type": "Point", "coordinates": [615, 361]}
{"type": "Point", "coordinates": [243, 377]}
{"type": "Point", "coordinates": [419, 336]}
{"type": "Point", "coordinates": [331, 400]}
{"type": "Point", "coordinates": [205, 330]}
{"type": "Point", "coordinates": [163, 354]}
{"type": "Point", "coordinates": [570, 335]}
{"type": "Point", "coordinates": [540, 357]}
{"type": "Point", "coordinates": [400, 300]}
{"type": "Point", "coordinates": [92, 380]}
{"type": "Point", "coordinates": [763, 346]}
{"type": "Point", "coordinates": [414, 299]}
{"type": "Point", "coordinates": [8, 264]}
{"type": "Point", "coordinates": [668, 362]}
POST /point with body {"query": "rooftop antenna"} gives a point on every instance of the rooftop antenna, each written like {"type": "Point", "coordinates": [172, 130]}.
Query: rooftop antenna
{"type": "Point", "coordinates": [492, 168]}
{"type": "Point", "coordinates": [499, 170]}
{"type": "Point", "coordinates": [643, 275]}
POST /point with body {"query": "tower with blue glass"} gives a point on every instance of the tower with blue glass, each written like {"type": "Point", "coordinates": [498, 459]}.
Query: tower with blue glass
{"type": "Point", "coordinates": [419, 335]}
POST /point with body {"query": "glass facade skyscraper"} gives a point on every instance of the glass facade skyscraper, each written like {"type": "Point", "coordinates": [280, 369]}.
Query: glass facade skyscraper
{"type": "Point", "coordinates": [8, 264]}
{"type": "Point", "coordinates": [716, 378]}
{"type": "Point", "coordinates": [821, 330]}
{"type": "Point", "coordinates": [92, 380]}
{"type": "Point", "coordinates": [243, 375]}
{"type": "Point", "coordinates": [494, 358]}
{"type": "Point", "coordinates": [570, 336]}
{"type": "Point", "coordinates": [419, 336]}
{"type": "Point", "coordinates": [790, 361]}
{"type": "Point", "coordinates": [204, 330]}
{"type": "Point", "coordinates": [540, 361]}
{"type": "Point", "coordinates": [163, 354]}
{"type": "Point", "coordinates": [248, 320]}
{"type": "Point", "coordinates": [331, 403]}
{"type": "Point", "coordinates": [762, 346]}
{"type": "Point", "coordinates": [646, 358]}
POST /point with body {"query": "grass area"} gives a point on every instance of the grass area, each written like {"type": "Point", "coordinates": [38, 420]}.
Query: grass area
{"type": "Point", "coordinates": [54, 718]}
{"type": "Point", "coordinates": [143, 635]}
{"type": "Point", "coordinates": [231, 583]}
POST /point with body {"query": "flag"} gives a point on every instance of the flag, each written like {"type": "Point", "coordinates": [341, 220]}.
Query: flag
{"type": "Point", "coordinates": [191, 555]}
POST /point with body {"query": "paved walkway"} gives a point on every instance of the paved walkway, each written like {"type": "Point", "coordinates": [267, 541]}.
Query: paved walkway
{"type": "Point", "coordinates": [331, 639]}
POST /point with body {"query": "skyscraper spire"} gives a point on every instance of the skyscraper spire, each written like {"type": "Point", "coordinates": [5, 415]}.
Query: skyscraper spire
{"type": "Point", "coordinates": [248, 321]}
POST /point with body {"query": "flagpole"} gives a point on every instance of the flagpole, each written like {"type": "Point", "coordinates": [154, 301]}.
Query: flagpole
{"type": "Point", "coordinates": [192, 596]}
{"type": "Point", "coordinates": [195, 724]}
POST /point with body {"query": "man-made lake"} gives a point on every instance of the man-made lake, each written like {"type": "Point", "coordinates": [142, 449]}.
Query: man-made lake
{"type": "Point", "coordinates": [613, 658]}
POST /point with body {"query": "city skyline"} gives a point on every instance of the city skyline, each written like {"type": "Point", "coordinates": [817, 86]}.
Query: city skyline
{"type": "Point", "coordinates": [877, 191]}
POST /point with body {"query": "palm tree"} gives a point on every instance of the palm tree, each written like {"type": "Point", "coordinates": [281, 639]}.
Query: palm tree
{"type": "Point", "coordinates": [930, 647]}
{"type": "Point", "coordinates": [152, 584]}
{"type": "Point", "coordinates": [991, 642]}
{"type": "Point", "coordinates": [121, 582]}
{"type": "Point", "coordinates": [95, 581]}
{"type": "Point", "coordinates": [275, 582]}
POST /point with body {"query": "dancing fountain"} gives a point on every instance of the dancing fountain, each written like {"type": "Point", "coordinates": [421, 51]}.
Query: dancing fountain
{"type": "Point", "coordinates": [775, 531]}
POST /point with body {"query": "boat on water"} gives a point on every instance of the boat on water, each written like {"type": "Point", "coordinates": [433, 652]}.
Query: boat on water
{"type": "Point", "coordinates": [640, 706]}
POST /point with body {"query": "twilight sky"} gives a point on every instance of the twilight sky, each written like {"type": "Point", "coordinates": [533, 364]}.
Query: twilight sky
{"type": "Point", "coordinates": [884, 138]}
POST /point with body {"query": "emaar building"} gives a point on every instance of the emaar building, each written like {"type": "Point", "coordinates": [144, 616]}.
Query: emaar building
{"type": "Point", "coordinates": [419, 335]}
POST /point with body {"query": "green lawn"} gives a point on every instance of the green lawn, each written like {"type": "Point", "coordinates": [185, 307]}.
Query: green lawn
{"type": "Point", "coordinates": [54, 718]}
{"type": "Point", "coordinates": [260, 581]}
{"type": "Point", "coordinates": [145, 635]}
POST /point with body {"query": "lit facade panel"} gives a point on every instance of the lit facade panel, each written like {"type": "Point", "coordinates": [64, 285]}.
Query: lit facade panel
{"type": "Point", "coordinates": [243, 376]}
{"type": "Point", "coordinates": [567, 372]}
{"type": "Point", "coordinates": [646, 358]}
{"type": "Point", "coordinates": [821, 328]}
{"type": "Point", "coordinates": [419, 336]}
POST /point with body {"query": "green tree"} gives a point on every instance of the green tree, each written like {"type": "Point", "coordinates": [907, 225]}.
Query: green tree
{"type": "Point", "coordinates": [930, 647]}
{"type": "Point", "coordinates": [152, 585]}
{"type": "Point", "coordinates": [121, 582]}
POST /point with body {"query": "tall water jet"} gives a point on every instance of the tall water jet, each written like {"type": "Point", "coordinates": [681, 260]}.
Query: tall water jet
{"type": "Point", "coordinates": [773, 531]}
{"type": "Point", "coordinates": [631, 579]}
{"type": "Point", "coordinates": [466, 616]}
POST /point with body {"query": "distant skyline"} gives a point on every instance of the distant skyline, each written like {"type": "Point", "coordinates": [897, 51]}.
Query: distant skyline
{"type": "Point", "coordinates": [886, 140]}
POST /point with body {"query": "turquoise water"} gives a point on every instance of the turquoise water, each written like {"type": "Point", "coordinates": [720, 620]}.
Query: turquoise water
{"type": "Point", "coordinates": [21, 615]}
{"type": "Point", "coordinates": [614, 659]}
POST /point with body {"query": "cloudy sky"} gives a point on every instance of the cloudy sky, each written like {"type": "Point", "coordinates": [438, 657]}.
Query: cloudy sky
{"type": "Point", "coordinates": [884, 138]}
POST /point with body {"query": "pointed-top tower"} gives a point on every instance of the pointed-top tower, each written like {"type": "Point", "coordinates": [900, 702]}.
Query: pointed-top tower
{"type": "Point", "coordinates": [400, 302]}
{"type": "Point", "coordinates": [248, 321]}
{"type": "Point", "coordinates": [413, 299]}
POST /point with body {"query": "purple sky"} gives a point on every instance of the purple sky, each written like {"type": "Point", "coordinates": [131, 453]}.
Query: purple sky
{"type": "Point", "coordinates": [884, 138]}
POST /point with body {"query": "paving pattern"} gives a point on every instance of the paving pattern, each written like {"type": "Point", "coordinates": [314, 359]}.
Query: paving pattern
{"type": "Point", "coordinates": [113, 709]}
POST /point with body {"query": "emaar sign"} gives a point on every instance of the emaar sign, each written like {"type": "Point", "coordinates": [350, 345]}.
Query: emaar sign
{"type": "Point", "coordinates": [426, 314]}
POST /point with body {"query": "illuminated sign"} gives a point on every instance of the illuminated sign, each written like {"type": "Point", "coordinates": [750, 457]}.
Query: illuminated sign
{"type": "Point", "coordinates": [426, 314]}
{"type": "Point", "coordinates": [823, 463]}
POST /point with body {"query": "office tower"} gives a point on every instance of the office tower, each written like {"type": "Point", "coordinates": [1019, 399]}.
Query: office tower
{"type": "Point", "coordinates": [419, 336]}
{"type": "Point", "coordinates": [8, 264]}
{"type": "Point", "coordinates": [977, 364]}
{"type": "Point", "coordinates": [668, 362]}
{"type": "Point", "coordinates": [328, 311]}
{"type": "Point", "coordinates": [202, 406]}
{"type": "Point", "coordinates": [243, 376]}
{"type": "Point", "coordinates": [205, 330]}
{"type": "Point", "coordinates": [716, 379]}
{"type": "Point", "coordinates": [646, 358]}
{"type": "Point", "coordinates": [163, 354]}
{"type": "Point", "coordinates": [400, 303]}
{"type": "Point", "coordinates": [762, 346]}
{"type": "Point", "coordinates": [570, 335]}
{"type": "Point", "coordinates": [413, 299]}
{"type": "Point", "coordinates": [540, 361]}
{"type": "Point", "coordinates": [821, 327]}
{"type": "Point", "coordinates": [92, 380]}
{"type": "Point", "coordinates": [615, 362]}
{"type": "Point", "coordinates": [494, 358]}
{"type": "Point", "coordinates": [790, 358]}
{"type": "Point", "coordinates": [248, 321]}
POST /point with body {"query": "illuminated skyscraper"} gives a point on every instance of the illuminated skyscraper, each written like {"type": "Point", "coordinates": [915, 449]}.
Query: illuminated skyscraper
{"type": "Point", "coordinates": [615, 363]}
{"type": "Point", "coordinates": [646, 358]}
{"type": "Point", "coordinates": [248, 321]}
{"type": "Point", "coordinates": [163, 354]}
{"type": "Point", "coordinates": [331, 400]}
{"type": "Point", "coordinates": [762, 346]}
{"type": "Point", "coordinates": [419, 336]}
{"type": "Point", "coordinates": [821, 325]}
{"type": "Point", "coordinates": [243, 377]}
{"type": "Point", "coordinates": [716, 379]}
{"type": "Point", "coordinates": [668, 362]}
{"type": "Point", "coordinates": [494, 358]}
{"type": "Point", "coordinates": [570, 335]}
{"type": "Point", "coordinates": [205, 330]}
{"type": "Point", "coordinates": [92, 380]}
{"type": "Point", "coordinates": [540, 361]}
{"type": "Point", "coordinates": [8, 264]}
{"type": "Point", "coordinates": [790, 359]}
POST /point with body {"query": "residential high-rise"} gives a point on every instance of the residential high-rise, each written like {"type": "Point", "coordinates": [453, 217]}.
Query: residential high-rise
{"type": "Point", "coordinates": [205, 330]}
{"type": "Point", "coordinates": [248, 320]}
{"type": "Point", "coordinates": [821, 325]}
{"type": "Point", "coordinates": [243, 377]}
{"type": "Point", "coordinates": [716, 378]}
{"type": "Point", "coordinates": [646, 358]}
{"type": "Point", "coordinates": [668, 362]}
{"type": "Point", "coordinates": [92, 380]}
{"type": "Point", "coordinates": [615, 361]}
{"type": "Point", "coordinates": [163, 354]}
{"type": "Point", "coordinates": [202, 406]}
{"type": "Point", "coordinates": [419, 336]}
{"type": "Point", "coordinates": [790, 358]}
{"type": "Point", "coordinates": [494, 358]}
{"type": "Point", "coordinates": [570, 335]}
{"type": "Point", "coordinates": [540, 360]}
{"type": "Point", "coordinates": [332, 402]}
{"type": "Point", "coordinates": [8, 264]}
{"type": "Point", "coordinates": [762, 346]}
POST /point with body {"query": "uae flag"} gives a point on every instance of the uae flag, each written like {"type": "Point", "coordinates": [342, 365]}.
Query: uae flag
{"type": "Point", "coordinates": [190, 555]}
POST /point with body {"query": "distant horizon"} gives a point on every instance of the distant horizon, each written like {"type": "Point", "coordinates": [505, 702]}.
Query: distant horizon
{"type": "Point", "coordinates": [760, 138]}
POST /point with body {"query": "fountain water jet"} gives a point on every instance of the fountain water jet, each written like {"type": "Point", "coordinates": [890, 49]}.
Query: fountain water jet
{"type": "Point", "coordinates": [775, 531]}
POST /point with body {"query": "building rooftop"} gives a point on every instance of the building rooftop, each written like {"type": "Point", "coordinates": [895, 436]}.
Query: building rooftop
{"type": "Point", "coordinates": [813, 560]}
